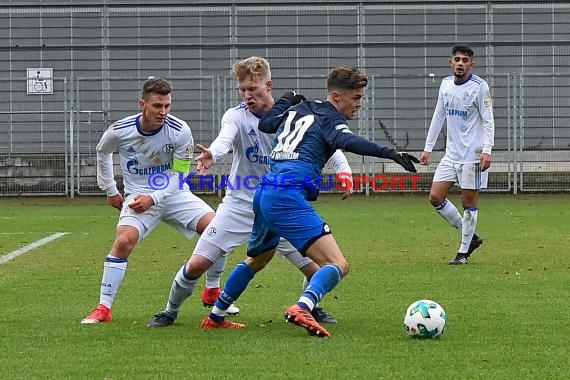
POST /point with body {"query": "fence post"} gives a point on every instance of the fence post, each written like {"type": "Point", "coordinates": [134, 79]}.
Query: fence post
{"type": "Point", "coordinates": [71, 137]}
{"type": "Point", "coordinates": [521, 131]}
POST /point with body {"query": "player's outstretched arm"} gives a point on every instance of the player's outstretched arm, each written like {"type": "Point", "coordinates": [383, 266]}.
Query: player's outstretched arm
{"type": "Point", "coordinates": [359, 145]}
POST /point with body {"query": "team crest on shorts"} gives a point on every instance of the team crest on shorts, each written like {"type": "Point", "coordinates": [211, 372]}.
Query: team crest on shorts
{"type": "Point", "coordinates": [211, 231]}
{"type": "Point", "coordinates": [326, 229]}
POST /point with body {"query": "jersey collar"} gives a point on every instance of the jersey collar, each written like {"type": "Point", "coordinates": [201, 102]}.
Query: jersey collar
{"type": "Point", "coordinates": [143, 132]}
{"type": "Point", "coordinates": [467, 80]}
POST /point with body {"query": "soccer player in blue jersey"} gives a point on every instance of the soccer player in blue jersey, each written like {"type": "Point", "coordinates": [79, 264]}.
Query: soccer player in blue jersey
{"type": "Point", "coordinates": [464, 102]}
{"type": "Point", "coordinates": [307, 134]}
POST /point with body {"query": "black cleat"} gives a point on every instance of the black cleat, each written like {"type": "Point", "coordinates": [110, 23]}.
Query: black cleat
{"type": "Point", "coordinates": [463, 258]}
{"type": "Point", "coordinates": [460, 259]}
{"type": "Point", "coordinates": [322, 316]}
{"type": "Point", "coordinates": [162, 319]}
{"type": "Point", "coordinates": [476, 241]}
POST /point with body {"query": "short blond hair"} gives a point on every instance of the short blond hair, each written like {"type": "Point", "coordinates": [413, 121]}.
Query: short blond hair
{"type": "Point", "coordinates": [253, 67]}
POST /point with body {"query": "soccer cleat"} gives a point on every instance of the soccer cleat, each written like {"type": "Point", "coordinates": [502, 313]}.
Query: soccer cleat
{"type": "Point", "coordinates": [210, 296]}
{"type": "Point", "coordinates": [322, 316]}
{"type": "Point", "coordinates": [476, 241]}
{"type": "Point", "coordinates": [162, 319]}
{"type": "Point", "coordinates": [101, 314]}
{"type": "Point", "coordinates": [302, 317]}
{"type": "Point", "coordinates": [460, 259]}
{"type": "Point", "coordinates": [209, 324]}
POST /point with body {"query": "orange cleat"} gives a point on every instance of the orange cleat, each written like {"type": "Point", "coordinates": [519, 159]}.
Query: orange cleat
{"type": "Point", "coordinates": [208, 324]}
{"type": "Point", "coordinates": [302, 317]}
{"type": "Point", "coordinates": [101, 314]}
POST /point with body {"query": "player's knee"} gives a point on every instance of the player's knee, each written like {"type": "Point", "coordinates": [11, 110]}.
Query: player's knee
{"type": "Point", "coordinates": [194, 272]}
{"type": "Point", "coordinates": [197, 266]}
{"type": "Point", "coordinates": [259, 262]}
{"type": "Point", "coordinates": [123, 246]}
{"type": "Point", "coordinates": [435, 199]}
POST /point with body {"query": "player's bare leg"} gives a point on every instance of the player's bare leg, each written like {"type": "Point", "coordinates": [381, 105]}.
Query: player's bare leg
{"type": "Point", "coordinates": [333, 266]}
{"type": "Point", "coordinates": [114, 270]}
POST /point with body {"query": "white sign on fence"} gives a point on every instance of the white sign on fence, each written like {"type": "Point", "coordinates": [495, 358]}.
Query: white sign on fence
{"type": "Point", "coordinates": [40, 81]}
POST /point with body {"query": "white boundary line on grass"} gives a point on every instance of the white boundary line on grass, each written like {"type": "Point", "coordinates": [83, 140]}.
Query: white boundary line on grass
{"type": "Point", "coordinates": [29, 247]}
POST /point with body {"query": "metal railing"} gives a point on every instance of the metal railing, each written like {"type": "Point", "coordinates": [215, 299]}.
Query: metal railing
{"type": "Point", "coordinates": [49, 148]}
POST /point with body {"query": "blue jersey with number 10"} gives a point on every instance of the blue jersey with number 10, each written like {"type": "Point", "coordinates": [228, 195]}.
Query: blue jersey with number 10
{"type": "Point", "coordinates": [306, 137]}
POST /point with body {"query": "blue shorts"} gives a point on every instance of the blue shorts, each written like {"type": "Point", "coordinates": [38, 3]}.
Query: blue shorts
{"type": "Point", "coordinates": [283, 212]}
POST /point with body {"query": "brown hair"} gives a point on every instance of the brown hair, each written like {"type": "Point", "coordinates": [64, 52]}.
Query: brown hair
{"type": "Point", "coordinates": [346, 78]}
{"type": "Point", "coordinates": [156, 86]}
{"type": "Point", "coordinates": [254, 67]}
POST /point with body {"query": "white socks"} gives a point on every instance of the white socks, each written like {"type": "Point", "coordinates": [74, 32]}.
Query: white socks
{"type": "Point", "coordinates": [182, 287]}
{"type": "Point", "coordinates": [215, 272]}
{"type": "Point", "coordinates": [450, 213]}
{"type": "Point", "coordinates": [468, 229]}
{"type": "Point", "coordinates": [467, 225]}
{"type": "Point", "coordinates": [114, 270]}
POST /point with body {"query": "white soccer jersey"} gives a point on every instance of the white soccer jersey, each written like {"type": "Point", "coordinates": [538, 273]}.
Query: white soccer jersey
{"type": "Point", "coordinates": [251, 149]}
{"type": "Point", "coordinates": [468, 110]}
{"type": "Point", "coordinates": [143, 155]}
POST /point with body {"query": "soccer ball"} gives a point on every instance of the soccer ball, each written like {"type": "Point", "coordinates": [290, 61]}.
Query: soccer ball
{"type": "Point", "coordinates": [425, 319]}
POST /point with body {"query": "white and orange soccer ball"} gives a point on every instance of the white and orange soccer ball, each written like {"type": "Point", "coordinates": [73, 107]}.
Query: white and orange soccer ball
{"type": "Point", "coordinates": [425, 319]}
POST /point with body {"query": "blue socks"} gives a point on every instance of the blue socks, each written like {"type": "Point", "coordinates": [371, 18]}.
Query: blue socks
{"type": "Point", "coordinates": [323, 281]}
{"type": "Point", "coordinates": [236, 283]}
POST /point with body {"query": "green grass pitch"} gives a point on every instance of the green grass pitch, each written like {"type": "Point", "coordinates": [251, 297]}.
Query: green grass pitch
{"type": "Point", "coordinates": [508, 308]}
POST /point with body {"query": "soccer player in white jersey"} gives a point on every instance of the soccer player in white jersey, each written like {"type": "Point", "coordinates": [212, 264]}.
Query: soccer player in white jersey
{"type": "Point", "coordinates": [464, 102]}
{"type": "Point", "coordinates": [232, 224]}
{"type": "Point", "coordinates": [154, 148]}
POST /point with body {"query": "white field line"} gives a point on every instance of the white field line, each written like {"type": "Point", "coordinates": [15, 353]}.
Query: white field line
{"type": "Point", "coordinates": [29, 247]}
{"type": "Point", "coordinates": [21, 233]}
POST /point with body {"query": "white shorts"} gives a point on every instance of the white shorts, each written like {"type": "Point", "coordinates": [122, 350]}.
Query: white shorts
{"type": "Point", "coordinates": [468, 175]}
{"type": "Point", "coordinates": [182, 210]}
{"type": "Point", "coordinates": [231, 227]}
